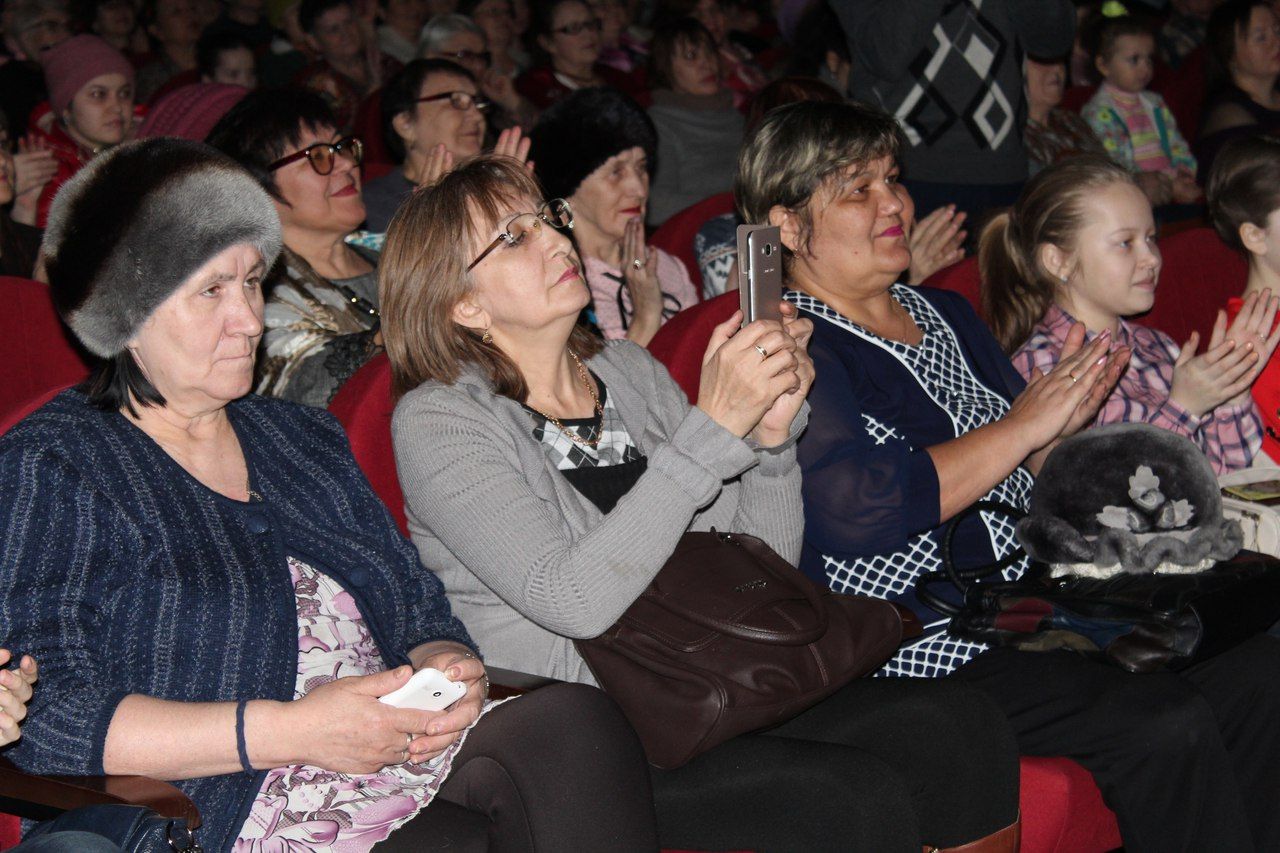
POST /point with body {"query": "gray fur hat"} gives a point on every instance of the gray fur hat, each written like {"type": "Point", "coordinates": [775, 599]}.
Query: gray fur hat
{"type": "Point", "coordinates": [1127, 498]}
{"type": "Point", "coordinates": [134, 224]}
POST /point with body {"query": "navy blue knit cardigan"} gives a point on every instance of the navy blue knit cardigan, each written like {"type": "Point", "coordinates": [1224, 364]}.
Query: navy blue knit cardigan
{"type": "Point", "coordinates": [122, 574]}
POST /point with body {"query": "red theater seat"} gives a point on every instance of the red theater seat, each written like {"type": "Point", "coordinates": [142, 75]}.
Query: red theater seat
{"type": "Point", "coordinates": [1200, 273]}
{"type": "Point", "coordinates": [36, 351]}
{"type": "Point", "coordinates": [363, 406]}
{"type": "Point", "coordinates": [963, 278]}
{"type": "Point", "coordinates": [676, 234]}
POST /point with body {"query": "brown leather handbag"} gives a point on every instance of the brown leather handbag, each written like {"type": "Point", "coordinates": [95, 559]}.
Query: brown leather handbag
{"type": "Point", "coordinates": [730, 638]}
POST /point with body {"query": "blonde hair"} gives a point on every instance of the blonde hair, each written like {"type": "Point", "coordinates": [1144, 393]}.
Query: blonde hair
{"type": "Point", "coordinates": [1016, 288]}
{"type": "Point", "coordinates": [422, 276]}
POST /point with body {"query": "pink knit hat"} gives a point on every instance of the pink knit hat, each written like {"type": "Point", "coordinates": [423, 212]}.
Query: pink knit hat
{"type": "Point", "coordinates": [72, 64]}
{"type": "Point", "coordinates": [190, 112]}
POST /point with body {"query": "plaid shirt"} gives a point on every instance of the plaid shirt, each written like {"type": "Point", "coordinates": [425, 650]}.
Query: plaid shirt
{"type": "Point", "coordinates": [1230, 435]}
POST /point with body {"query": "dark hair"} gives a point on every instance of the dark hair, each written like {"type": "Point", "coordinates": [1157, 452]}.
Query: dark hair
{"type": "Point", "coordinates": [1108, 31]}
{"type": "Point", "coordinates": [668, 10]}
{"type": "Point", "coordinates": [1227, 23]}
{"type": "Point", "coordinates": [542, 15]}
{"type": "Point", "coordinates": [211, 47]}
{"type": "Point", "coordinates": [265, 125]}
{"type": "Point", "coordinates": [117, 383]}
{"type": "Point", "coordinates": [798, 148]}
{"type": "Point", "coordinates": [1016, 288]}
{"type": "Point", "coordinates": [788, 90]}
{"type": "Point", "coordinates": [1243, 186]}
{"type": "Point", "coordinates": [667, 41]}
{"type": "Point", "coordinates": [310, 11]}
{"type": "Point", "coordinates": [818, 32]}
{"type": "Point", "coordinates": [400, 95]}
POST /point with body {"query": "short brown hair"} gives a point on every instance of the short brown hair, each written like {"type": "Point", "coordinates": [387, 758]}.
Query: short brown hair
{"type": "Point", "coordinates": [799, 147]}
{"type": "Point", "coordinates": [668, 39]}
{"type": "Point", "coordinates": [1243, 186]}
{"type": "Point", "coordinates": [422, 276]}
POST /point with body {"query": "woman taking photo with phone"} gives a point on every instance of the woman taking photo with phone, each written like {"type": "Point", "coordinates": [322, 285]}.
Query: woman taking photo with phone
{"type": "Point", "coordinates": [548, 478]}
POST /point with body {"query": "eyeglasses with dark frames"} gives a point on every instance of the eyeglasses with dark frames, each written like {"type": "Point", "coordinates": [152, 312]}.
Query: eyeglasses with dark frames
{"type": "Point", "coordinates": [555, 213]}
{"type": "Point", "coordinates": [323, 155]}
{"type": "Point", "coordinates": [595, 25]}
{"type": "Point", "coordinates": [459, 100]}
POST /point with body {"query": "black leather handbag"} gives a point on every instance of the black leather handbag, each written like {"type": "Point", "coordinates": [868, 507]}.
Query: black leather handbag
{"type": "Point", "coordinates": [730, 638]}
{"type": "Point", "coordinates": [134, 829]}
{"type": "Point", "coordinates": [1140, 622]}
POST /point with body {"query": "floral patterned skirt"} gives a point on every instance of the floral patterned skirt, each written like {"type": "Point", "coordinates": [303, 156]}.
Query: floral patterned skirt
{"type": "Point", "coordinates": [302, 808]}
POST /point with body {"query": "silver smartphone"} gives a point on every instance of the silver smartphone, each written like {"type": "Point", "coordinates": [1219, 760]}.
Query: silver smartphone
{"type": "Point", "coordinates": [759, 272]}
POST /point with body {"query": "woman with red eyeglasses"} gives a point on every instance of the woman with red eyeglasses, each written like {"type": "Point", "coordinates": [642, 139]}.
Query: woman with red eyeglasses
{"type": "Point", "coordinates": [566, 35]}
{"type": "Point", "coordinates": [322, 316]}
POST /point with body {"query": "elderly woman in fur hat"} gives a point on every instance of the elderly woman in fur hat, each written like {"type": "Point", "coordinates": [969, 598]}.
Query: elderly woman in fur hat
{"type": "Point", "coordinates": [214, 592]}
{"type": "Point", "coordinates": [597, 149]}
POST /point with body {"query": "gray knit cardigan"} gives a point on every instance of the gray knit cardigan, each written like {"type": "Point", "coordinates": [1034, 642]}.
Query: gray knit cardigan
{"type": "Point", "coordinates": [527, 562]}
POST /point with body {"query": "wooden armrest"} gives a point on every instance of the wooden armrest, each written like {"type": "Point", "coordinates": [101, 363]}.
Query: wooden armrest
{"type": "Point", "coordinates": [63, 793]}
{"type": "Point", "coordinates": [504, 683]}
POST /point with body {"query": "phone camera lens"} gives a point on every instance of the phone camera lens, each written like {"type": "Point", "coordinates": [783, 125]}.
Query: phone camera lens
{"type": "Point", "coordinates": [768, 249]}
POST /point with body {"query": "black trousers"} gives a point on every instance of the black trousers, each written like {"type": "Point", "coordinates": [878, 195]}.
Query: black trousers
{"type": "Point", "coordinates": [1188, 761]}
{"type": "Point", "coordinates": [884, 765]}
{"type": "Point", "coordinates": [558, 770]}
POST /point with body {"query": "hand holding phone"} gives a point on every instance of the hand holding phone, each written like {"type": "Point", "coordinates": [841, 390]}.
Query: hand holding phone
{"type": "Point", "coordinates": [426, 690]}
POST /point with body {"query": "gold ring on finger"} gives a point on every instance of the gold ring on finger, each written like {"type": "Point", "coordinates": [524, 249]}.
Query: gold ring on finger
{"type": "Point", "coordinates": [764, 353]}
{"type": "Point", "coordinates": [637, 263]}
{"type": "Point", "coordinates": [1074, 378]}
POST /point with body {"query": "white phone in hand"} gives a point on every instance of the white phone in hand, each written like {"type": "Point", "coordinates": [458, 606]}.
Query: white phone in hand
{"type": "Point", "coordinates": [426, 690]}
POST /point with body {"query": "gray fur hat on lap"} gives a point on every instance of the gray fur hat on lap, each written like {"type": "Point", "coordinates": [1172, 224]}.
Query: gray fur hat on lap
{"type": "Point", "coordinates": [130, 227]}
{"type": "Point", "coordinates": [1127, 498]}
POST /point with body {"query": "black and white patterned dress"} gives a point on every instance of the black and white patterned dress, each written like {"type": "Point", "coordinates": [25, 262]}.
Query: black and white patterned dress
{"type": "Point", "coordinates": [917, 396]}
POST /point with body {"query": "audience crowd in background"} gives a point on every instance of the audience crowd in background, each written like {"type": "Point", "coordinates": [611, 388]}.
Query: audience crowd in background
{"type": "Point", "coordinates": [240, 207]}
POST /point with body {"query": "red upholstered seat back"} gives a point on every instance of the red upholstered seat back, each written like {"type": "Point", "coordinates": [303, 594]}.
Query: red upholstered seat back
{"type": "Point", "coordinates": [676, 234]}
{"type": "Point", "coordinates": [963, 278]}
{"type": "Point", "coordinates": [1184, 90]}
{"type": "Point", "coordinates": [368, 128]}
{"type": "Point", "coordinates": [1199, 275]}
{"type": "Point", "coordinates": [37, 352]}
{"type": "Point", "coordinates": [1062, 809]}
{"type": "Point", "coordinates": [1074, 99]}
{"type": "Point", "coordinates": [363, 406]}
{"type": "Point", "coordinates": [682, 340]}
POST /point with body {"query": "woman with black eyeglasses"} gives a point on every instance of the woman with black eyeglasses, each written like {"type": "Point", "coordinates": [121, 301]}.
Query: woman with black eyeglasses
{"type": "Point", "coordinates": [322, 315]}
{"type": "Point", "coordinates": [565, 35]}
{"type": "Point", "coordinates": [431, 109]}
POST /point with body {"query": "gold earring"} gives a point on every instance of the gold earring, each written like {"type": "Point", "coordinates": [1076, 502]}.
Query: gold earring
{"type": "Point", "coordinates": [486, 338]}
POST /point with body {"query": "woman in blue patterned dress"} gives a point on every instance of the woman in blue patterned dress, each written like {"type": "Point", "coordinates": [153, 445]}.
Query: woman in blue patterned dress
{"type": "Point", "coordinates": [917, 414]}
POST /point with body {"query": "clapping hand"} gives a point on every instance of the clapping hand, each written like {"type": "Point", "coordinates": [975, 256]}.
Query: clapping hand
{"type": "Point", "coordinates": [512, 143]}
{"type": "Point", "coordinates": [439, 163]}
{"type": "Point", "coordinates": [936, 242]}
{"type": "Point", "coordinates": [15, 692]}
